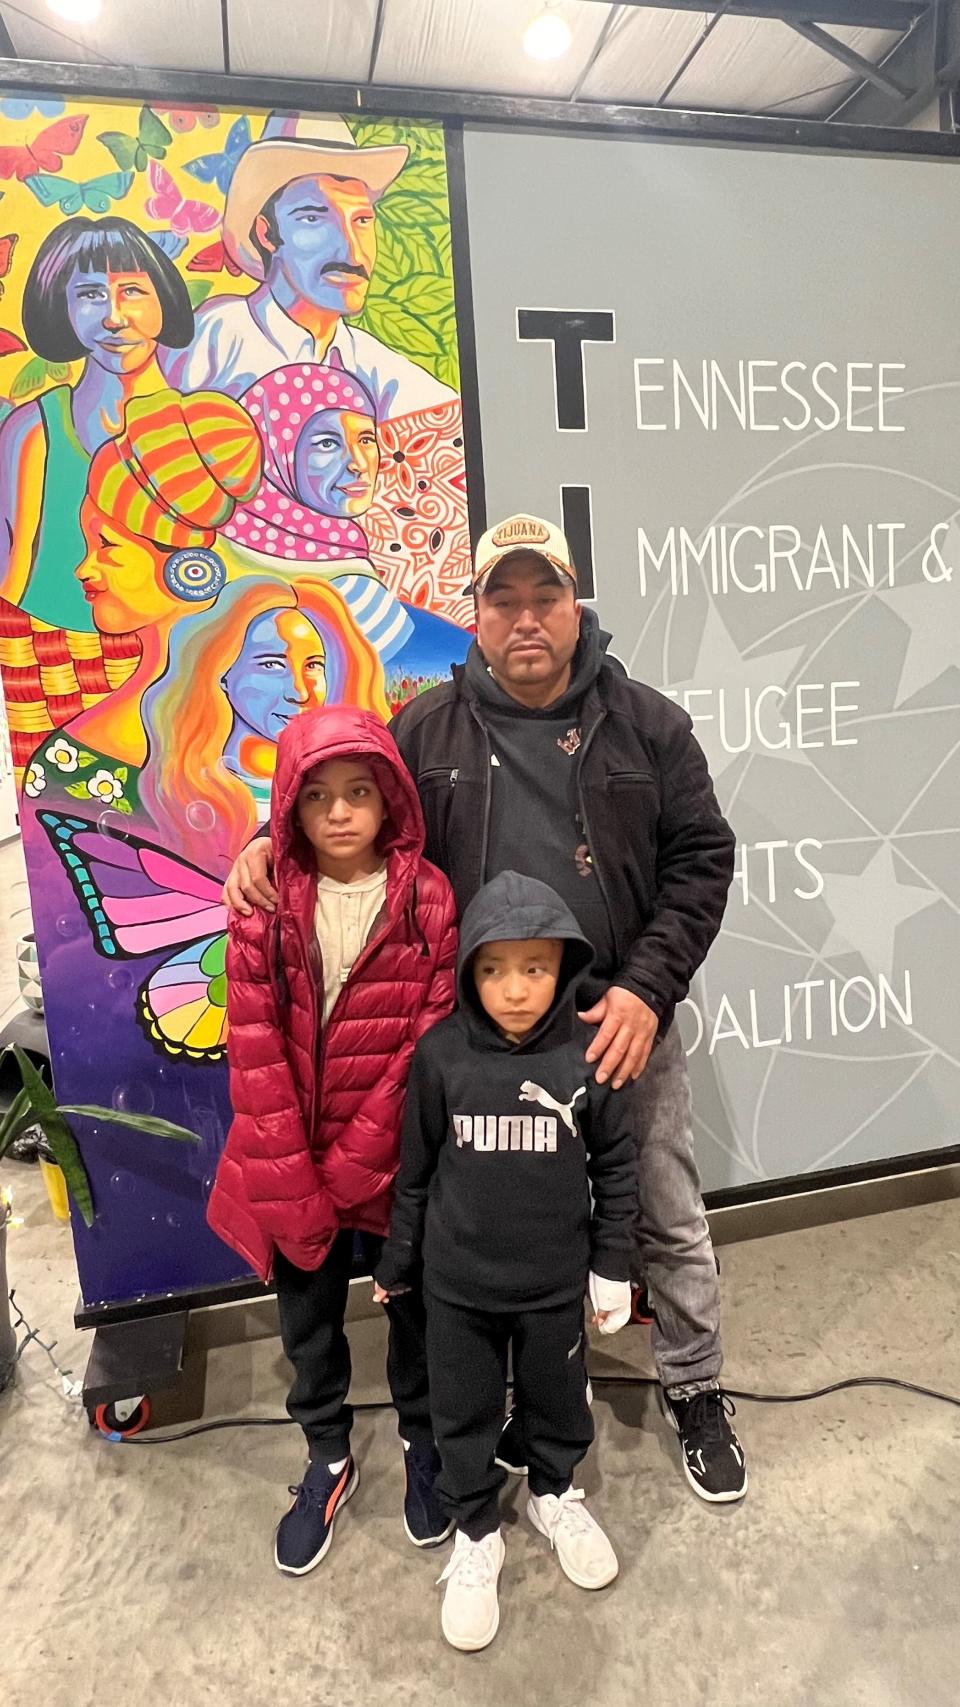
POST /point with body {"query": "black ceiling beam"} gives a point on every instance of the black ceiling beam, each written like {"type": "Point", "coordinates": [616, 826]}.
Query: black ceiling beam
{"type": "Point", "coordinates": [858, 14]}
{"type": "Point", "coordinates": [133, 82]}
{"type": "Point", "coordinates": [853, 61]}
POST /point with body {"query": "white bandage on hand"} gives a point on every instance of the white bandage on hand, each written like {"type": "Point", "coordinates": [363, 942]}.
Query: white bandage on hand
{"type": "Point", "coordinates": [612, 1296]}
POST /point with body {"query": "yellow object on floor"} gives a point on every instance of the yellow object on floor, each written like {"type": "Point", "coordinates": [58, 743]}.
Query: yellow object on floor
{"type": "Point", "coordinates": [56, 1189]}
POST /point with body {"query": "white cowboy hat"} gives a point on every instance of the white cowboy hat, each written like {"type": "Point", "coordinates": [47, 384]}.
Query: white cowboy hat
{"type": "Point", "coordinates": [297, 145]}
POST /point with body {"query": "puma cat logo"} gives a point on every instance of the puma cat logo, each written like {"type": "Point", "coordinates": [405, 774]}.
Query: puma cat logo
{"type": "Point", "coordinates": [529, 1092]}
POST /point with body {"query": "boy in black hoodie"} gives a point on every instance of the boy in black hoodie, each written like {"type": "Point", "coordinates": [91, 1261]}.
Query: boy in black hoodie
{"type": "Point", "coordinates": [506, 1131]}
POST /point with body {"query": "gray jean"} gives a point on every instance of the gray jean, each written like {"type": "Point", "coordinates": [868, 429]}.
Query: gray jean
{"type": "Point", "coordinates": [674, 1250]}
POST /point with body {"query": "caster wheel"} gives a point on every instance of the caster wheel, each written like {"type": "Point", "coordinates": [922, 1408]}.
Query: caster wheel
{"type": "Point", "coordinates": [118, 1421]}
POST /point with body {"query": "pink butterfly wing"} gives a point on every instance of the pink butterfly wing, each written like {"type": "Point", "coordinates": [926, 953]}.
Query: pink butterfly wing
{"type": "Point", "coordinates": [166, 198]}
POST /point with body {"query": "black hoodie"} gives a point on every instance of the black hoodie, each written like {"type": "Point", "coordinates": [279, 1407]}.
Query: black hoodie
{"type": "Point", "coordinates": [502, 1142]}
{"type": "Point", "coordinates": [536, 825]}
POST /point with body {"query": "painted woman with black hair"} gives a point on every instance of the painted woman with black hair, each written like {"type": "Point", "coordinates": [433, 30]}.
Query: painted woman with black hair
{"type": "Point", "coordinates": [101, 291]}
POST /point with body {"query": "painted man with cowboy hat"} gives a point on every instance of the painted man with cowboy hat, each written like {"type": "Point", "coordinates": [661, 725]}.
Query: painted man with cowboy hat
{"type": "Point", "coordinates": [300, 217]}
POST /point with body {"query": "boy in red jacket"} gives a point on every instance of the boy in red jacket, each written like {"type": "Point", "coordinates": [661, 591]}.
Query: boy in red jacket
{"type": "Point", "coordinates": [326, 1000]}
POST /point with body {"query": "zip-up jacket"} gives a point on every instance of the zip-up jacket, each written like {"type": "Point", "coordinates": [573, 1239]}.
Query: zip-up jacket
{"type": "Point", "coordinates": [315, 1140]}
{"type": "Point", "coordinates": [661, 849]}
{"type": "Point", "coordinates": [503, 1143]}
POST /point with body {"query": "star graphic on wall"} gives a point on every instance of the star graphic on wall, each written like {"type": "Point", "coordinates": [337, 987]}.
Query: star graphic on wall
{"type": "Point", "coordinates": [868, 909]}
{"type": "Point", "coordinates": [720, 664]}
{"type": "Point", "coordinates": [931, 611]}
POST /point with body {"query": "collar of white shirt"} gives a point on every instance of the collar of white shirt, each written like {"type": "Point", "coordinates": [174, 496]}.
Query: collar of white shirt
{"type": "Point", "coordinates": [291, 339]}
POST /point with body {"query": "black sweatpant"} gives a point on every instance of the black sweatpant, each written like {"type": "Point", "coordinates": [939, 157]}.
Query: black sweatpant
{"type": "Point", "coordinates": [312, 1307]}
{"type": "Point", "coordinates": [467, 1361]}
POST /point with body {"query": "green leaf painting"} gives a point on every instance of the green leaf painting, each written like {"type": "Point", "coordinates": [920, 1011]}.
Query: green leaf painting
{"type": "Point", "coordinates": [411, 302]}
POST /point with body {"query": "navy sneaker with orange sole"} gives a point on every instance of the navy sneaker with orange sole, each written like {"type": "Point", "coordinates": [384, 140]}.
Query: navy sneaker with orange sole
{"type": "Point", "coordinates": [305, 1533]}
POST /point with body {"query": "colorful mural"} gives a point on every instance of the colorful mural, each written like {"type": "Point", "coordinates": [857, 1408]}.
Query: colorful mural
{"type": "Point", "coordinates": [231, 486]}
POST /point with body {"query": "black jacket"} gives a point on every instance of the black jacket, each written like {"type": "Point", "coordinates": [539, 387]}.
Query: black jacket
{"type": "Point", "coordinates": [661, 848]}
{"type": "Point", "coordinates": [502, 1142]}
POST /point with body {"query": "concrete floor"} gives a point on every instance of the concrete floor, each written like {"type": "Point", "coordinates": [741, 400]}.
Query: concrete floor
{"type": "Point", "coordinates": [146, 1573]}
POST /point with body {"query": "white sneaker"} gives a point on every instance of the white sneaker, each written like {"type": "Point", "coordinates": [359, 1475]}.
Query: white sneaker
{"type": "Point", "coordinates": [583, 1550]}
{"type": "Point", "coordinates": [470, 1616]}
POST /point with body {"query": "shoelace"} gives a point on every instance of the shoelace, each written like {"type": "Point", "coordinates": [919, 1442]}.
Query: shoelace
{"type": "Point", "coordinates": [569, 1513]}
{"type": "Point", "coordinates": [472, 1564]}
{"type": "Point", "coordinates": [707, 1415]}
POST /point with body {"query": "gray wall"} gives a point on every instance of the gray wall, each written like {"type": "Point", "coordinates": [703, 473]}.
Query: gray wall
{"type": "Point", "coordinates": [823, 1029]}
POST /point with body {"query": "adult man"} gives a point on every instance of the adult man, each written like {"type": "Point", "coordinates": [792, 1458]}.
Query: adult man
{"type": "Point", "coordinates": [300, 218]}
{"type": "Point", "coordinates": [541, 756]}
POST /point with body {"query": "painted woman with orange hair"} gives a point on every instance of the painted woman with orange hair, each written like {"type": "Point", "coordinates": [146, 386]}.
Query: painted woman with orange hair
{"type": "Point", "coordinates": [156, 497]}
{"type": "Point", "coordinates": [268, 649]}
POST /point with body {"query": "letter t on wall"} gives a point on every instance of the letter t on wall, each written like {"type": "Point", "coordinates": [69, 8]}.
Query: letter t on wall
{"type": "Point", "coordinates": [567, 329]}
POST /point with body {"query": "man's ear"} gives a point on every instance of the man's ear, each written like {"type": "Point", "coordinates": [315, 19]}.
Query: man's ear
{"type": "Point", "coordinates": [261, 226]}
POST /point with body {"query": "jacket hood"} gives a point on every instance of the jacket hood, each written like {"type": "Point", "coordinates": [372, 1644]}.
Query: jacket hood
{"type": "Point", "coordinates": [520, 909]}
{"type": "Point", "coordinates": [588, 660]}
{"type": "Point", "coordinates": [339, 732]}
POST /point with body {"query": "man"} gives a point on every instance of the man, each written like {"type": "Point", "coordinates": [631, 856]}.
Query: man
{"type": "Point", "coordinates": [541, 756]}
{"type": "Point", "coordinates": [300, 218]}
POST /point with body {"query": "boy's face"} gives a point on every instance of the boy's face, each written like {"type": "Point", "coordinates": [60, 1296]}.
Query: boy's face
{"type": "Point", "coordinates": [516, 982]}
{"type": "Point", "coordinates": [340, 811]}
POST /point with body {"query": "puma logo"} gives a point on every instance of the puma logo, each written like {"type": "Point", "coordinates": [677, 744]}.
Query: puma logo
{"type": "Point", "coordinates": [529, 1092]}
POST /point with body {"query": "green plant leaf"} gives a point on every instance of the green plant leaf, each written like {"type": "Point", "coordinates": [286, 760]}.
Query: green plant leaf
{"type": "Point", "coordinates": [58, 371]}
{"type": "Point", "coordinates": [425, 173]}
{"type": "Point", "coordinates": [124, 806]}
{"type": "Point", "coordinates": [400, 329]}
{"type": "Point", "coordinates": [147, 1123]}
{"type": "Point", "coordinates": [31, 376]}
{"type": "Point", "coordinates": [198, 290]}
{"type": "Point", "coordinates": [426, 294]}
{"type": "Point", "coordinates": [412, 210]}
{"type": "Point", "coordinates": [58, 1135]}
{"type": "Point", "coordinates": [18, 1115]}
{"type": "Point", "coordinates": [84, 759]}
{"type": "Point", "coordinates": [79, 790]}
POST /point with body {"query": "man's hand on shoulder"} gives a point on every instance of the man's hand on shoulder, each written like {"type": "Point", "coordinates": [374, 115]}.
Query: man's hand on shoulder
{"type": "Point", "coordinates": [249, 885]}
{"type": "Point", "coordinates": [628, 1030]}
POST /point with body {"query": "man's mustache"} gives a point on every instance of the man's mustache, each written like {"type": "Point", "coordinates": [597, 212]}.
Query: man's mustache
{"type": "Point", "coordinates": [345, 267]}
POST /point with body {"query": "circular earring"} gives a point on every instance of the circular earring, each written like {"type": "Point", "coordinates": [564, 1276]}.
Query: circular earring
{"type": "Point", "coordinates": [194, 575]}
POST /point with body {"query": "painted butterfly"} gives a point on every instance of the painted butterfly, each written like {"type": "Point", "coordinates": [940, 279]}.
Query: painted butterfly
{"type": "Point", "coordinates": [47, 150]}
{"type": "Point", "coordinates": [96, 194]}
{"type": "Point", "coordinates": [213, 259]}
{"type": "Point", "coordinates": [167, 203]}
{"type": "Point", "coordinates": [133, 153]}
{"type": "Point", "coordinates": [219, 168]}
{"type": "Point", "coordinates": [184, 119]}
{"type": "Point", "coordinates": [7, 246]}
{"type": "Point", "coordinates": [12, 107]}
{"type": "Point", "coordinates": [141, 901]}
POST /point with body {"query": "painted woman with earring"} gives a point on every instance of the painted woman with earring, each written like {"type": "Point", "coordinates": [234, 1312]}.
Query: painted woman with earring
{"type": "Point", "coordinates": [156, 496]}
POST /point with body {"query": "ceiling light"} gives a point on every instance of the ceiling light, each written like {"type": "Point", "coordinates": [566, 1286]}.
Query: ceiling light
{"type": "Point", "coordinates": [548, 37]}
{"type": "Point", "coordinates": [76, 11]}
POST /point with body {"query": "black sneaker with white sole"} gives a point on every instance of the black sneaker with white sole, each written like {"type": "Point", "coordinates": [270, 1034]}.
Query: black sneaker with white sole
{"type": "Point", "coordinates": [511, 1453]}
{"type": "Point", "coordinates": [713, 1459]}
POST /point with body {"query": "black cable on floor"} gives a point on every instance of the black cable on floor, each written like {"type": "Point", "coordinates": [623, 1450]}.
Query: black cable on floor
{"type": "Point", "coordinates": [596, 1380]}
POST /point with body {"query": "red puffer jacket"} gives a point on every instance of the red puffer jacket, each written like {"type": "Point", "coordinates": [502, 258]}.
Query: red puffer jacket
{"type": "Point", "coordinates": [315, 1140]}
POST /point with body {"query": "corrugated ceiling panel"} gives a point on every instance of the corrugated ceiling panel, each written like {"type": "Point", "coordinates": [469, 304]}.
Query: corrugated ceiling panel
{"type": "Point", "coordinates": [641, 56]}
{"type": "Point", "coordinates": [326, 39]}
{"type": "Point", "coordinates": [177, 35]}
{"type": "Point", "coordinates": [478, 44]}
{"type": "Point", "coordinates": [754, 64]}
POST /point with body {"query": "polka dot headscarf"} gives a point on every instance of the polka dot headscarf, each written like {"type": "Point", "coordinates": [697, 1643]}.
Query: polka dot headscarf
{"type": "Point", "coordinates": [275, 522]}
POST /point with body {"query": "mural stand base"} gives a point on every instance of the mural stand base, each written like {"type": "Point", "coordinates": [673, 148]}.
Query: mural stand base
{"type": "Point", "coordinates": [130, 1360]}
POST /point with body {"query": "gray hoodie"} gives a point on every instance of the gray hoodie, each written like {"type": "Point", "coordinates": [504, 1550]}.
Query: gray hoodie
{"type": "Point", "coordinates": [503, 1142]}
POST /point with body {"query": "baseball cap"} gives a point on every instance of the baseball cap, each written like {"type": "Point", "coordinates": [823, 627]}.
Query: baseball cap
{"type": "Point", "coordinates": [522, 533]}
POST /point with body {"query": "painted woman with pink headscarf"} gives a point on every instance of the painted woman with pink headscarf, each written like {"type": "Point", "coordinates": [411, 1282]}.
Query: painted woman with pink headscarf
{"type": "Point", "coordinates": [321, 461]}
